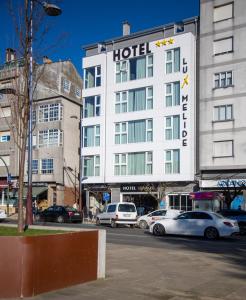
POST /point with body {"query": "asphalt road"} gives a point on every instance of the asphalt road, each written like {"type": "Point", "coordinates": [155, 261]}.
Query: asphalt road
{"type": "Point", "coordinates": [139, 237]}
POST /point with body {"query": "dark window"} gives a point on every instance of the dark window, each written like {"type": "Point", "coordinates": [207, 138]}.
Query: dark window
{"type": "Point", "coordinates": [185, 216]}
{"type": "Point", "coordinates": [126, 208]}
{"type": "Point", "coordinates": [159, 213]}
{"type": "Point", "coordinates": [201, 215]}
{"type": "Point", "coordinates": [112, 208]}
{"type": "Point", "coordinates": [50, 209]}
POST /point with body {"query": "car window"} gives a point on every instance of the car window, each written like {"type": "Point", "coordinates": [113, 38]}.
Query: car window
{"type": "Point", "coordinates": [58, 208]}
{"type": "Point", "coordinates": [127, 208]}
{"type": "Point", "coordinates": [217, 215]}
{"type": "Point", "coordinates": [111, 208]}
{"type": "Point", "coordinates": [159, 213]}
{"type": "Point", "coordinates": [201, 215]}
{"type": "Point", "coordinates": [185, 216]}
{"type": "Point", "coordinates": [69, 208]}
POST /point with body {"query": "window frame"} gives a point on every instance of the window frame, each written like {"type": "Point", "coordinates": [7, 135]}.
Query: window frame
{"type": "Point", "coordinates": [226, 106]}
{"type": "Point", "coordinates": [96, 166]}
{"type": "Point", "coordinates": [221, 5]}
{"type": "Point", "coordinates": [171, 161]}
{"type": "Point", "coordinates": [228, 74]}
{"type": "Point", "coordinates": [96, 106]}
{"type": "Point", "coordinates": [172, 60]}
{"type": "Point", "coordinates": [97, 76]}
{"type": "Point", "coordinates": [223, 156]}
{"type": "Point", "coordinates": [47, 171]}
{"type": "Point", "coordinates": [96, 136]}
{"type": "Point", "coordinates": [222, 39]}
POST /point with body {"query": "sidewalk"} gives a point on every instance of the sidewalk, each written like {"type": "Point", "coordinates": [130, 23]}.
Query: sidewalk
{"type": "Point", "coordinates": [160, 274]}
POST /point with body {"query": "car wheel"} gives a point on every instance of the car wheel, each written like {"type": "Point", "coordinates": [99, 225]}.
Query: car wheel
{"type": "Point", "coordinates": [211, 233]}
{"type": "Point", "coordinates": [60, 219]}
{"type": "Point", "coordinates": [143, 224]}
{"type": "Point", "coordinates": [158, 230]}
{"type": "Point", "coordinates": [98, 222]}
{"type": "Point", "coordinates": [37, 218]}
{"type": "Point", "coordinates": [113, 224]}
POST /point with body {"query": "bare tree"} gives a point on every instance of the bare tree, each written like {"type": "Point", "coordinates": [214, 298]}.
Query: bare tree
{"type": "Point", "coordinates": [28, 22]}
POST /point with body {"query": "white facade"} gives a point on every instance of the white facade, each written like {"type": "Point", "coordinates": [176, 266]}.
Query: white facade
{"type": "Point", "coordinates": [185, 111]}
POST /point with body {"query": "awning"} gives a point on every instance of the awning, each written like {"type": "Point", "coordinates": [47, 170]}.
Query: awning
{"type": "Point", "coordinates": [36, 191]}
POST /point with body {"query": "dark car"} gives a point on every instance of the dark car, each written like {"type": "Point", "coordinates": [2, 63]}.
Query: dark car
{"type": "Point", "coordinates": [237, 215]}
{"type": "Point", "coordinates": [60, 214]}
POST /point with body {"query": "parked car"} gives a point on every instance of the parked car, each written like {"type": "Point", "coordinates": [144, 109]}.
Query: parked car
{"type": "Point", "coordinates": [144, 221]}
{"type": "Point", "coordinates": [118, 213]}
{"type": "Point", "coordinates": [60, 214]}
{"type": "Point", "coordinates": [199, 223]}
{"type": "Point", "coordinates": [236, 214]}
{"type": "Point", "coordinates": [3, 215]}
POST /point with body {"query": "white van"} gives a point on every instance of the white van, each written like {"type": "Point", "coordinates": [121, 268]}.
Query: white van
{"type": "Point", "coordinates": [118, 213]}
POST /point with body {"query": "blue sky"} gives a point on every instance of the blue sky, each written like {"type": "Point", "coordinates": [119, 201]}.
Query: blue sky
{"type": "Point", "coordinates": [86, 22]}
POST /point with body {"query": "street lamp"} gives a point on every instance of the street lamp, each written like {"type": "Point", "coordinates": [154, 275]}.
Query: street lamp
{"type": "Point", "coordinates": [50, 10]}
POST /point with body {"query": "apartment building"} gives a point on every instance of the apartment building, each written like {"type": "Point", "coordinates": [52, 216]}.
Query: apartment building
{"type": "Point", "coordinates": [139, 117]}
{"type": "Point", "coordinates": [222, 94]}
{"type": "Point", "coordinates": [56, 133]}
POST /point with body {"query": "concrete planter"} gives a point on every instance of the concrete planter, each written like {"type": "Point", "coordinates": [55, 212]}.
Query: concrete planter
{"type": "Point", "coordinates": [38, 264]}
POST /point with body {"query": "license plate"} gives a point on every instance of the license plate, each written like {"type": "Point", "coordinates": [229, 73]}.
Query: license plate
{"type": "Point", "coordinates": [126, 215]}
{"type": "Point", "coordinates": [76, 214]}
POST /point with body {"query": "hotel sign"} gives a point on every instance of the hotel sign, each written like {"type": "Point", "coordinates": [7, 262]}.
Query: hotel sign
{"type": "Point", "coordinates": [185, 101]}
{"type": "Point", "coordinates": [132, 51]}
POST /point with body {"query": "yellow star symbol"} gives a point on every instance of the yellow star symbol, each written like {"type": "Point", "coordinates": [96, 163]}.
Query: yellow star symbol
{"type": "Point", "coordinates": [164, 42]}
{"type": "Point", "coordinates": [158, 44]}
{"type": "Point", "coordinates": [185, 82]}
{"type": "Point", "coordinates": [171, 41]}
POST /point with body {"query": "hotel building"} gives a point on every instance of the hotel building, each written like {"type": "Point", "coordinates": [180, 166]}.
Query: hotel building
{"type": "Point", "coordinates": [139, 117]}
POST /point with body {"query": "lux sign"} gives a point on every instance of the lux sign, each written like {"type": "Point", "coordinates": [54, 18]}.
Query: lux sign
{"type": "Point", "coordinates": [184, 104]}
{"type": "Point", "coordinates": [136, 50]}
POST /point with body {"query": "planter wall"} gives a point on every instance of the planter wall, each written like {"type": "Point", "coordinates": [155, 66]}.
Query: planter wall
{"type": "Point", "coordinates": [34, 265]}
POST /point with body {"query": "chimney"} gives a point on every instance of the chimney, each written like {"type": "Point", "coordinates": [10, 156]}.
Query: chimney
{"type": "Point", "coordinates": [46, 60]}
{"type": "Point", "coordinates": [126, 28]}
{"type": "Point", "coordinates": [10, 54]}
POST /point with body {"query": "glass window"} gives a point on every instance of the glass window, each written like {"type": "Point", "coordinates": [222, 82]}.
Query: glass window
{"type": "Point", "coordinates": [134, 68]}
{"type": "Point", "coordinates": [173, 60]}
{"type": "Point", "coordinates": [50, 137]}
{"type": "Point", "coordinates": [173, 93]}
{"type": "Point", "coordinates": [92, 77]}
{"type": "Point", "coordinates": [134, 100]}
{"type": "Point", "coordinates": [172, 130]}
{"type": "Point", "coordinates": [223, 79]}
{"type": "Point", "coordinates": [92, 106]}
{"type": "Point", "coordinates": [111, 208]}
{"type": "Point", "coordinates": [47, 166]}
{"type": "Point", "coordinates": [35, 166]}
{"type": "Point", "coordinates": [50, 112]}
{"type": "Point", "coordinates": [223, 112]}
{"type": "Point", "coordinates": [223, 12]}
{"type": "Point", "coordinates": [4, 136]}
{"type": "Point", "coordinates": [91, 165]}
{"type": "Point", "coordinates": [66, 85]}
{"type": "Point", "coordinates": [223, 46]}
{"type": "Point", "coordinates": [91, 136]}
{"type": "Point", "coordinates": [172, 161]}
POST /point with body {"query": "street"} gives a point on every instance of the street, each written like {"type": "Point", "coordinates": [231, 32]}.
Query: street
{"type": "Point", "coordinates": [141, 266]}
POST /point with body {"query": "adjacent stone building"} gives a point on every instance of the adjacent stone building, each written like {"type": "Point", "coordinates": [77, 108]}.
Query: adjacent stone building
{"type": "Point", "coordinates": [56, 134]}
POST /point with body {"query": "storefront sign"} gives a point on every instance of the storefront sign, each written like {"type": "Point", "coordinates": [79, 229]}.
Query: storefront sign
{"type": "Point", "coordinates": [136, 50]}
{"type": "Point", "coordinates": [184, 103]}
{"type": "Point", "coordinates": [148, 188]}
{"type": "Point", "coordinates": [232, 183]}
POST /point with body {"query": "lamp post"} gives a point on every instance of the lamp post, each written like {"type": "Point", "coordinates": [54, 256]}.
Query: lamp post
{"type": "Point", "coordinates": [50, 10]}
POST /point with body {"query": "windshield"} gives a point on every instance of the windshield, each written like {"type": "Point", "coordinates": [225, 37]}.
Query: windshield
{"type": "Point", "coordinates": [69, 208]}
{"type": "Point", "coordinates": [127, 208]}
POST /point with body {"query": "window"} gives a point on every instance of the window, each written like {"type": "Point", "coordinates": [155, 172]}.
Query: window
{"type": "Point", "coordinates": [180, 202]}
{"type": "Point", "coordinates": [35, 166]}
{"type": "Point", "coordinates": [223, 149]}
{"type": "Point", "coordinates": [172, 161]}
{"type": "Point", "coordinates": [223, 79]}
{"type": "Point", "coordinates": [223, 113]}
{"type": "Point", "coordinates": [50, 112]}
{"type": "Point", "coordinates": [178, 28]}
{"type": "Point", "coordinates": [4, 136]}
{"type": "Point", "coordinates": [5, 112]}
{"type": "Point", "coordinates": [92, 77]}
{"type": "Point", "coordinates": [223, 12]}
{"type": "Point", "coordinates": [172, 131]}
{"type": "Point", "coordinates": [134, 100]}
{"type": "Point", "coordinates": [91, 165]}
{"type": "Point", "coordinates": [78, 92]}
{"type": "Point", "coordinates": [50, 137]}
{"type": "Point", "coordinates": [92, 106]}
{"type": "Point", "coordinates": [111, 208]}
{"type": "Point", "coordinates": [91, 136]}
{"type": "Point", "coordinates": [172, 60]}
{"type": "Point", "coordinates": [66, 85]}
{"type": "Point", "coordinates": [173, 93]}
{"type": "Point", "coordinates": [134, 68]}
{"type": "Point", "coordinates": [134, 131]}
{"type": "Point", "coordinates": [139, 163]}
{"type": "Point", "coordinates": [47, 166]}
{"type": "Point", "coordinates": [223, 46]}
